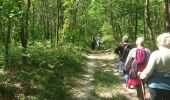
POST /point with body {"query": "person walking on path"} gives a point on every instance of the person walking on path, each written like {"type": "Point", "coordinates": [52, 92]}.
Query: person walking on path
{"type": "Point", "coordinates": [93, 43]}
{"type": "Point", "coordinates": [136, 61]}
{"type": "Point", "coordinates": [123, 50]}
{"type": "Point", "coordinates": [157, 71]}
{"type": "Point", "coordinates": [98, 41]}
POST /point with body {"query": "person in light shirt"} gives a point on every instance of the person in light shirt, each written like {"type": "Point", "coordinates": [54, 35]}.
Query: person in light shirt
{"type": "Point", "coordinates": [131, 64]}
{"type": "Point", "coordinates": [157, 71]}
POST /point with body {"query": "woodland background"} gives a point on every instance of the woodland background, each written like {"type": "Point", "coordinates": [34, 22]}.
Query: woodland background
{"type": "Point", "coordinates": [42, 41]}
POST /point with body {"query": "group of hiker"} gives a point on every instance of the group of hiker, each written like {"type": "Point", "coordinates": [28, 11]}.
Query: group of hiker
{"type": "Point", "coordinates": [140, 66]}
{"type": "Point", "coordinates": [96, 42]}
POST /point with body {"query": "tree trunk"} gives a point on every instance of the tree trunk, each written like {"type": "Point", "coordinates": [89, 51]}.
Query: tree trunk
{"type": "Point", "coordinates": [58, 21]}
{"type": "Point", "coordinates": [1, 31]}
{"type": "Point", "coordinates": [22, 26]}
{"type": "Point", "coordinates": [48, 26]}
{"type": "Point", "coordinates": [33, 23]}
{"type": "Point", "coordinates": [22, 34]}
{"type": "Point", "coordinates": [144, 27]}
{"type": "Point", "coordinates": [148, 22]}
{"type": "Point", "coordinates": [136, 21]}
{"type": "Point", "coordinates": [27, 20]}
{"type": "Point", "coordinates": [44, 26]}
{"type": "Point", "coordinates": [111, 23]}
{"type": "Point", "coordinates": [159, 22]}
{"type": "Point", "coordinates": [156, 10]}
{"type": "Point", "coordinates": [7, 42]}
{"type": "Point", "coordinates": [48, 21]}
{"type": "Point", "coordinates": [167, 16]}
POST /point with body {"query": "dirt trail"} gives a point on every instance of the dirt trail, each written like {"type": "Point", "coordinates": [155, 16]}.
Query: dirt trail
{"type": "Point", "coordinates": [100, 60]}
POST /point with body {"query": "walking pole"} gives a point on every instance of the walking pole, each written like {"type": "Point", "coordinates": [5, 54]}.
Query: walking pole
{"type": "Point", "coordinates": [143, 90]}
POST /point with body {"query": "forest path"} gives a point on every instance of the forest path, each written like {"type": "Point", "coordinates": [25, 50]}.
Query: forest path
{"type": "Point", "coordinates": [92, 61]}
{"type": "Point", "coordinates": [106, 62]}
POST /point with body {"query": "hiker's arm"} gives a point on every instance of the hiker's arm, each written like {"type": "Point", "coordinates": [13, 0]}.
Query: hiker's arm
{"type": "Point", "coordinates": [129, 60]}
{"type": "Point", "coordinates": [150, 67]}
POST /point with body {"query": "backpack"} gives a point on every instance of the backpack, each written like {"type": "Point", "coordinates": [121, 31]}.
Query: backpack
{"type": "Point", "coordinates": [140, 56]}
{"type": "Point", "coordinates": [139, 59]}
{"type": "Point", "coordinates": [125, 53]}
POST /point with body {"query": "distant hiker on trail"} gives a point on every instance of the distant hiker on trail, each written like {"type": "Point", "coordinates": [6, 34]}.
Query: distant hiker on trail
{"type": "Point", "coordinates": [136, 61]}
{"type": "Point", "coordinates": [98, 41]}
{"type": "Point", "coordinates": [93, 43]}
{"type": "Point", "coordinates": [157, 71]}
{"type": "Point", "coordinates": [123, 50]}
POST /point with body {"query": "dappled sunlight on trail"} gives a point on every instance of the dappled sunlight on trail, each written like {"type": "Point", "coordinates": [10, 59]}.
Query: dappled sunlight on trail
{"type": "Point", "coordinates": [93, 62]}
{"type": "Point", "coordinates": [101, 80]}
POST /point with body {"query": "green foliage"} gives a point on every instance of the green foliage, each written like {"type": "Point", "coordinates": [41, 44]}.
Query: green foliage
{"type": "Point", "coordinates": [15, 57]}
{"type": "Point", "coordinates": [48, 74]}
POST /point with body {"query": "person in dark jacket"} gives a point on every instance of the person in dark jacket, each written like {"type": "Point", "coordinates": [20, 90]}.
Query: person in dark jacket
{"type": "Point", "coordinates": [93, 43]}
{"type": "Point", "coordinates": [123, 50]}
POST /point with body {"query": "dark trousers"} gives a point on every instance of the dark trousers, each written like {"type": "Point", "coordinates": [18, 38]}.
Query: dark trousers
{"type": "Point", "coordinates": [159, 94]}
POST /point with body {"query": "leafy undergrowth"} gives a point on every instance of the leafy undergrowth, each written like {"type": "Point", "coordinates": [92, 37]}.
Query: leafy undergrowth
{"type": "Point", "coordinates": [49, 74]}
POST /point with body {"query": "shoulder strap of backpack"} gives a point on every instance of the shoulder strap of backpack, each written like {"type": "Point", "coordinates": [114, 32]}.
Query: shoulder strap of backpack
{"type": "Point", "coordinates": [124, 49]}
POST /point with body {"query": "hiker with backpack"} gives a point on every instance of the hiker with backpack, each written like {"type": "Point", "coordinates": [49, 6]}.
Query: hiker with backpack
{"type": "Point", "coordinates": [157, 71]}
{"type": "Point", "coordinates": [136, 61]}
{"type": "Point", "coordinates": [123, 50]}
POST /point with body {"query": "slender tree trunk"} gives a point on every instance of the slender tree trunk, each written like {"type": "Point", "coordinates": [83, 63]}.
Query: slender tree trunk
{"type": "Point", "coordinates": [55, 28]}
{"type": "Point", "coordinates": [136, 21]}
{"type": "Point", "coordinates": [48, 21]}
{"type": "Point", "coordinates": [75, 19]}
{"type": "Point", "coordinates": [129, 26]}
{"type": "Point", "coordinates": [58, 21]}
{"type": "Point", "coordinates": [167, 16]}
{"type": "Point", "coordinates": [44, 26]}
{"type": "Point", "coordinates": [33, 23]}
{"type": "Point", "coordinates": [27, 20]}
{"type": "Point", "coordinates": [22, 35]}
{"type": "Point", "coordinates": [48, 26]}
{"type": "Point", "coordinates": [159, 19]}
{"type": "Point", "coordinates": [144, 27]}
{"type": "Point", "coordinates": [156, 10]}
{"type": "Point", "coordinates": [51, 33]}
{"type": "Point", "coordinates": [1, 31]}
{"type": "Point", "coordinates": [22, 26]}
{"type": "Point", "coordinates": [111, 23]}
{"type": "Point", "coordinates": [148, 22]}
{"type": "Point", "coordinates": [7, 42]}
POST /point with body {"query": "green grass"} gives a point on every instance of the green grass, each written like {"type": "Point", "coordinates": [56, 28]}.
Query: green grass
{"type": "Point", "coordinates": [105, 81]}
